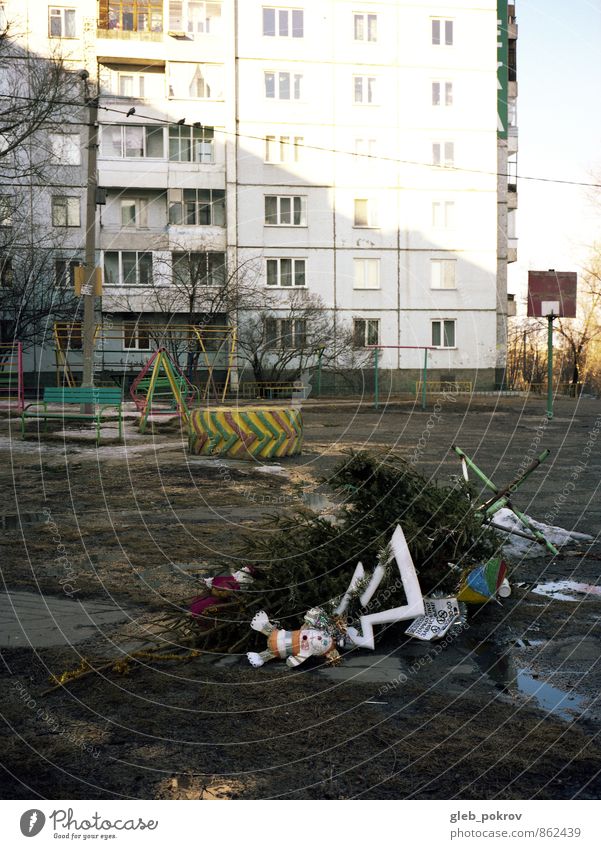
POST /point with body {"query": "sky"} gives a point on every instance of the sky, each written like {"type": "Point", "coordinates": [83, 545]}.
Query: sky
{"type": "Point", "coordinates": [559, 124]}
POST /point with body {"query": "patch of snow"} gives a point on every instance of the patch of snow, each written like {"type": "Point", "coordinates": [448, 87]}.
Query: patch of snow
{"type": "Point", "coordinates": [519, 547]}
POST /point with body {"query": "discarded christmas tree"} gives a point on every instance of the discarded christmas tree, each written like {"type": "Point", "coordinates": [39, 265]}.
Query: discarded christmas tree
{"type": "Point", "coordinates": [304, 560]}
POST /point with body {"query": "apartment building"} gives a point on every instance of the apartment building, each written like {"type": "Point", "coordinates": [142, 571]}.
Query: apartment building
{"type": "Point", "coordinates": [358, 151]}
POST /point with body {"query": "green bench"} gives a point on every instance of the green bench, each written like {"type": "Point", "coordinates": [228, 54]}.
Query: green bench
{"type": "Point", "coordinates": [101, 397]}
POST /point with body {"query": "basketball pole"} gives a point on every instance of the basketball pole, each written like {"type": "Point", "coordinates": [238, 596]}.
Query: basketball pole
{"type": "Point", "coordinates": [550, 366]}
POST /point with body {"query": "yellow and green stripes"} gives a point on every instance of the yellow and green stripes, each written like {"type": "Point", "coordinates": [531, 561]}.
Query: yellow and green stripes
{"type": "Point", "coordinates": [246, 432]}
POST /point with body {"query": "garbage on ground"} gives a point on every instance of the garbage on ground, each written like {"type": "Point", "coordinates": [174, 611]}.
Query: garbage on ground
{"type": "Point", "coordinates": [440, 615]}
{"type": "Point", "coordinates": [318, 636]}
{"type": "Point", "coordinates": [399, 552]}
{"type": "Point", "coordinates": [483, 583]}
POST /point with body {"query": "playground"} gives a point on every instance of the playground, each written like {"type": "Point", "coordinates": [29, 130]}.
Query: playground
{"type": "Point", "coordinates": [124, 528]}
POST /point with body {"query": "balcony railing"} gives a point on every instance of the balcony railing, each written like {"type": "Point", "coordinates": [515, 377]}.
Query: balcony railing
{"type": "Point", "coordinates": [129, 35]}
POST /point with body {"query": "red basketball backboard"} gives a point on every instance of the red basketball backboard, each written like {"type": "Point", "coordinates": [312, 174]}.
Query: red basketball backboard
{"type": "Point", "coordinates": [552, 293]}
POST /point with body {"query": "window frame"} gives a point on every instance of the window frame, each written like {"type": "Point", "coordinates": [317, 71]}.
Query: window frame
{"type": "Point", "coordinates": [209, 258]}
{"type": "Point", "coordinates": [275, 341]}
{"type": "Point", "coordinates": [289, 143]}
{"type": "Point", "coordinates": [187, 22]}
{"type": "Point", "coordinates": [365, 263]}
{"type": "Point", "coordinates": [215, 205]}
{"type": "Point", "coordinates": [57, 202]}
{"type": "Point", "coordinates": [365, 17]}
{"type": "Point", "coordinates": [295, 86]}
{"type": "Point", "coordinates": [280, 275]}
{"type": "Point", "coordinates": [442, 323]}
{"type": "Point", "coordinates": [136, 335]}
{"type": "Point", "coordinates": [369, 87]}
{"type": "Point", "coordinates": [446, 26]}
{"type": "Point", "coordinates": [64, 272]}
{"type": "Point", "coordinates": [302, 211]}
{"type": "Point", "coordinates": [7, 210]}
{"type": "Point", "coordinates": [362, 339]}
{"type": "Point", "coordinates": [140, 220]}
{"type": "Point", "coordinates": [443, 159]}
{"type": "Point", "coordinates": [111, 15]}
{"type": "Point", "coordinates": [440, 268]}
{"type": "Point", "coordinates": [62, 17]}
{"type": "Point", "coordinates": [121, 279]}
{"type": "Point", "coordinates": [442, 93]}
{"type": "Point", "coordinates": [199, 139]}
{"type": "Point", "coordinates": [290, 13]}
{"type": "Point", "coordinates": [123, 141]}
{"type": "Point", "coordinates": [443, 218]}
{"type": "Point", "coordinates": [371, 209]}
{"type": "Point", "coordinates": [75, 147]}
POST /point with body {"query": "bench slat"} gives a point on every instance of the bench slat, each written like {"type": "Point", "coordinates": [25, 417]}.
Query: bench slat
{"type": "Point", "coordinates": [82, 395]}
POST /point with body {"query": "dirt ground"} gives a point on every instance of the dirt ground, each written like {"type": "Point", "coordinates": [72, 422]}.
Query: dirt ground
{"type": "Point", "coordinates": [507, 710]}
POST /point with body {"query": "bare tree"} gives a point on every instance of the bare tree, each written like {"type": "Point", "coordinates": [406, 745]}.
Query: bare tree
{"type": "Point", "coordinates": [284, 338]}
{"type": "Point", "coordinates": [37, 94]}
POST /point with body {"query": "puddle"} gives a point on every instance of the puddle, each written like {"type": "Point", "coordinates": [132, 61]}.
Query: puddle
{"type": "Point", "coordinates": [567, 590]}
{"type": "Point", "coordinates": [558, 702]}
{"type": "Point", "coordinates": [11, 522]}
{"type": "Point", "coordinates": [499, 666]}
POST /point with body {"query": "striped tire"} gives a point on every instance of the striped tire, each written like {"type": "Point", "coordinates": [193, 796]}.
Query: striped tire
{"type": "Point", "coordinates": [245, 433]}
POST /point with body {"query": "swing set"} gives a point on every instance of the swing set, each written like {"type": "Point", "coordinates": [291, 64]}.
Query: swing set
{"type": "Point", "coordinates": [204, 344]}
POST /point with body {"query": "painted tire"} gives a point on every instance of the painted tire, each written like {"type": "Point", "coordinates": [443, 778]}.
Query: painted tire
{"type": "Point", "coordinates": [245, 433]}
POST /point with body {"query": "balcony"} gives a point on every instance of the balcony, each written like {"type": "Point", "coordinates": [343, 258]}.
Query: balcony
{"type": "Point", "coordinates": [512, 196]}
{"type": "Point", "coordinates": [512, 250]}
{"type": "Point", "coordinates": [129, 35]}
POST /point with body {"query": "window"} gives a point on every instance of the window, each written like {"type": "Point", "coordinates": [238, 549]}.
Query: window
{"type": "Point", "coordinates": [195, 81]}
{"type": "Point", "coordinates": [65, 148]}
{"type": "Point", "coordinates": [364, 89]}
{"type": "Point", "coordinates": [443, 273]}
{"type": "Point", "coordinates": [285, 23]}
{"type": "Point", "coordinates": [131, 85]}
{"type": "Point", "coordinates": [64, 273]}
{"type": "Point", "coordinates": [285, 211]}
{"type": "Point", "coordinates": [136, 336]}
{"type": "Point", "coordinates": [202, 269]}
{"type": "Point", "coordinates": [194, 17]}
{"type": "Point", "coordinates": [133, 212]}
{"type": "Point", "coordinates": [365, 27]}
{"type": "Point", "coordinates": [443, 214]}
{"type": "Point", "coordinates": [286, 272]}
{"type": "Point", "coordinates": [365, 147]}
{"type": "Point", "coordinates": [443, 154]}
{"type": "Point", "coordinates": [66, 212]}
{"type": "Point", "coordinates": [134, 141]}
{"type": "Point", "coordinates": [191, 144]}
{"type": "Point", "coordinates": [365, 213]}
{"type": "Point", "coordinates": [283, 85]}
{"type": "Point", "coordinates": [61, 22]}
{"type": "Point", "coordinates": [443, 333]}
{"type": "Point", "coordinates": [442, 31]}
{"type": "Point", "coordinates": [442, 93]}
{"type": "Point", "coordinates": [366, 331]}
{"type": "Point", "coordinates": [131, 15]}
{"type": "Point", "coordinates": [127, 268]}
{"type": "Point", "coordinates": [367, 273]}
{"type": "Point", "coordinates": [6, 272]}
{"type": "Point", "coordinates": [283, 148]}
{"type": "Point", "coordinates": [285, 333]}
{"type": "Point", "coordinates": [197, 206]}
{"type": "Point", "coordinates": [6, 210]}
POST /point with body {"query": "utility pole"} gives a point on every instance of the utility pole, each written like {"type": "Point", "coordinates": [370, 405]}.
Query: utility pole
{"type": "Point", "coordinates": [87, 290]}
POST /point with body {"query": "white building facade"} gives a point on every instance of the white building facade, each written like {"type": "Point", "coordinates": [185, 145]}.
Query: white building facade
{"type": "Point", "coordinates": [359, 151]}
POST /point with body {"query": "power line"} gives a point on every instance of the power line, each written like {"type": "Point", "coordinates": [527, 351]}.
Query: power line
{"type": "Point", "coordinates": [322, 149]}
